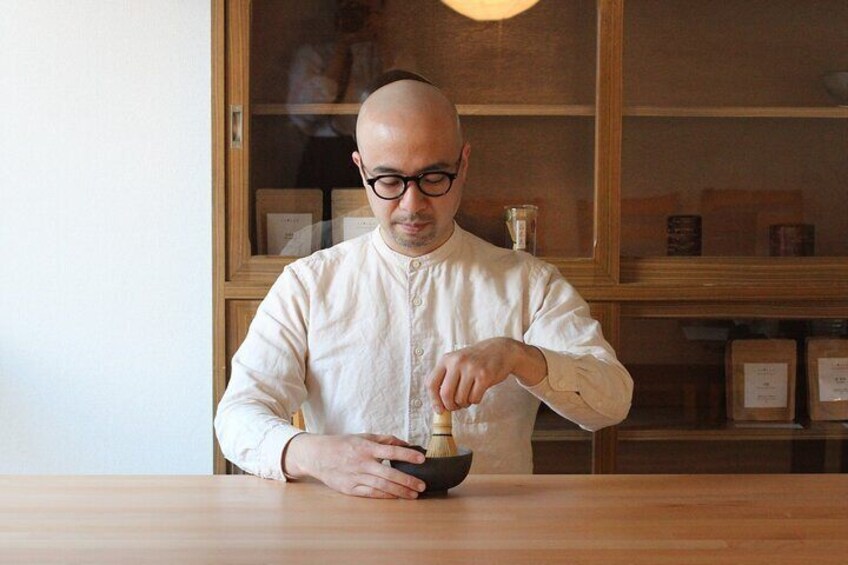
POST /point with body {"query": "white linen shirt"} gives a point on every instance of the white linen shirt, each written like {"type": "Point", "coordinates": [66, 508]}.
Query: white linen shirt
{"type": "Point", "coordinates": [349, 334]}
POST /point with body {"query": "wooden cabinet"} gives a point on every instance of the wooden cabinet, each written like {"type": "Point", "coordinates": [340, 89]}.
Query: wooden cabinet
{"type": "Point", "coordinates": [610, 116]}
{"type": "Point", "coordinates": [725, 116]}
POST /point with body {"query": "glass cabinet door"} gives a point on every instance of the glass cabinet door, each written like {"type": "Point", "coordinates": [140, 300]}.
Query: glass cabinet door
{"type": "Point", "coordinates": [526, 91]}
{"type": "Point", "coordinates": [728, 119]}
{"type": "Point", "coordinates": [688, 163]}
{"type": "Point", "coordinates": [524, 87]}
{"type": "Point", "coordinates": [699, 409]}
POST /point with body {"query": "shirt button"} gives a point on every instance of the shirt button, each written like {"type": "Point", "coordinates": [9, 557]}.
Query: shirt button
{"type": "Point", "coordinates": [419, 352]}
{"type": "Point", "coordinates": [415, 263]}
{"type": "Point", "coordinates": [416, 403]}
{"type": "Point", "coordinates": [416, 301]}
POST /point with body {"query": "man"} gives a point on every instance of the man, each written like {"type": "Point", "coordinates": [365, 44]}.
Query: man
{"type": "Point", "coordinates": [372, 336]}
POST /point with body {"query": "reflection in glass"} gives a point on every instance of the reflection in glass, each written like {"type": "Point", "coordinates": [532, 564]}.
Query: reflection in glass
{"type": "Point", "coordinates": [527, 107]}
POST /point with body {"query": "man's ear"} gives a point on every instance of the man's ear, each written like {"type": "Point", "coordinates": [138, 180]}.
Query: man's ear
{"type": "Point", "coordinates": [466, 153]}
{"type": "Point", "coordinates": [357, 160]}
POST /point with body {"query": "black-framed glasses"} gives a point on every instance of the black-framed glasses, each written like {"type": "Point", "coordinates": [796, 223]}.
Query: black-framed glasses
{"type": "Point", "coordinates": [430, 183]}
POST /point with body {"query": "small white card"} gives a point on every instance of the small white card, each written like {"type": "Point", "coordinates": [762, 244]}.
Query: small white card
{"type": "Point", "coordinates": [520, 242]}
{"type": "Point", "coordinates": [766, 385]}
{"type": "Point", "coordinates": [353, 226]}
{"type": "Point", "coordinates": [833, 379]}
{"type": "Point", "coordinates": [289, 234]}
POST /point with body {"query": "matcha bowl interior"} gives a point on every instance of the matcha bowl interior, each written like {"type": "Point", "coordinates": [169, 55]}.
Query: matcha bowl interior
{"type": "Point", "coordinates": [438, 473]}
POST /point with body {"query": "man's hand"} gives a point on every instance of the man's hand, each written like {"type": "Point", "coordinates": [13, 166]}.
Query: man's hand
{"type": "Point", "coordinates": [462, 377]}
{"type": "Point", "coordinates": [351, 464]}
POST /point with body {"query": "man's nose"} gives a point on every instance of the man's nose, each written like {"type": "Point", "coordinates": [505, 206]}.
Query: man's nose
{"type": "Point", "coordinates": [413, 199]}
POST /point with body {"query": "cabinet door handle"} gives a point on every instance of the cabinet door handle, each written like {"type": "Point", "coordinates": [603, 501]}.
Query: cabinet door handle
{"type": "Point", "coordinates": [236, 124]}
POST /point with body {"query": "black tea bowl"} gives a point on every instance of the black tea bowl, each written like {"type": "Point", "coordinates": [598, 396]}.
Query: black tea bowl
{"type": "Point", "coordinates": [438, 473]}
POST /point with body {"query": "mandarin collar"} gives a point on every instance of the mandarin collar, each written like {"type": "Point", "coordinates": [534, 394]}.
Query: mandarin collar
{"type": "Point", "coordinates": [423, 261]}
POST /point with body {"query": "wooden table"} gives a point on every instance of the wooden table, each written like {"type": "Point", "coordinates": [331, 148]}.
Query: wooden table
{"type": "Point", "coordinates": [488, 519]}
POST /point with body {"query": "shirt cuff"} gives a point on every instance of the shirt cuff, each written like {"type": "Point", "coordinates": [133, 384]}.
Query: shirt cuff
{"type": "Point", "coordinates": [562, 373]}
{"type": "Point", "coordinates": [594, 381]}
{"type": "Point", "coordinates": [273, 445]}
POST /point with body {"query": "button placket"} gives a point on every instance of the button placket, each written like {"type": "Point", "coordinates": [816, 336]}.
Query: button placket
{"type": "Point", "coordinates": [417, 421]}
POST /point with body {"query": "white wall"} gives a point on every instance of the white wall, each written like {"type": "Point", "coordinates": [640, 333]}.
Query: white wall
{"type": "Point", "coordinates": [105, 237]}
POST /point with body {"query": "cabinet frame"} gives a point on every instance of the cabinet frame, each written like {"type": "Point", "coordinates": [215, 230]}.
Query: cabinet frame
{"type": "Point", "coordinates": [706, 287]}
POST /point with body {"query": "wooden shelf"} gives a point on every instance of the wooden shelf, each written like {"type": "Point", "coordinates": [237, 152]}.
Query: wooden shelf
{"type": "Point", "coordinates": [736, 112]}
{"type": "Point", "coordinates": [818, 298]}
{"type": "Point", "coordinates": [305, 109]}
{"type": "Point", "coordinates": [713, 270]}
{"type": "Point", "coordinates": [253, 276]}
{"type": "Point", "coordinates": [526, 110]}
{"type": "Point", "coordinates": [738, 431]}
{"type": "Point", "coordinates": [576, 110]}
{"type": "Point", "coordinates": [550, 427]}
{"type": "Point", "coordinates": [790, 296]}
{"type": "Point", "coordinates": [670, 424]}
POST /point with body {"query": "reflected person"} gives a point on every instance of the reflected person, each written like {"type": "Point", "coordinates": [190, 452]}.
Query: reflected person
{"type": "Point", "coordinates": [333, 72]}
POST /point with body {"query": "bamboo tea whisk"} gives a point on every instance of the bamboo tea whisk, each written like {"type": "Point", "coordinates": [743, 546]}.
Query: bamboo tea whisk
{"type": "Point", "coordinates": [442, 443]}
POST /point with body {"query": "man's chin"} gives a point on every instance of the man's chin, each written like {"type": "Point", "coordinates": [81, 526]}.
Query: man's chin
{"type": "Point", "coordinates": [413, 242]}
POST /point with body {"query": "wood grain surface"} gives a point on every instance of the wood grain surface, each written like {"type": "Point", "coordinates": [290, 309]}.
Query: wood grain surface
{"type": "Point", "coordinates": [488, 519]}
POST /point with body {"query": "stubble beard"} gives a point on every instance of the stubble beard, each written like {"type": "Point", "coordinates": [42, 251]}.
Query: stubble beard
{"type": "Point", "coordinates": [413, 241]}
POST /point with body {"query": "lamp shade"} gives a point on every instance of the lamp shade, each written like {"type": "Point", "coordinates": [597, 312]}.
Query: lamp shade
{"type": "Point", "coordinates": [482, 10]}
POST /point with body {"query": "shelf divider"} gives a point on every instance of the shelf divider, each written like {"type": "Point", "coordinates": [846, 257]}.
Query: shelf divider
{"type": "Point", "coordinates": [525, 110]}
{"type": "Point", "coordinates": [736, 112]}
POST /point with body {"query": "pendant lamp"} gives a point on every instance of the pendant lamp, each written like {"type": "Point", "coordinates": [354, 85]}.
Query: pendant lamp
{"type": "Point", "coordinates": [483, 10]}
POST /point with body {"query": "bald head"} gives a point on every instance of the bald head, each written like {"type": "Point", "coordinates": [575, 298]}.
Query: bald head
{"type": "Point", "coordinates": [407, 107]}
{"type": "Point", "coordinates": [409, 131]}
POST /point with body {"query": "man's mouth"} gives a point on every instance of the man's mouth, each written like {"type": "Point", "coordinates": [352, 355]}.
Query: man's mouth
{"type": "Point", "coordinates": [412, 223]}
{"type": "Point", "coordinates": [412, 227]}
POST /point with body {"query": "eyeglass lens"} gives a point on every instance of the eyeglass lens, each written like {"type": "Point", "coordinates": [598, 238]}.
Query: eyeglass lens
{"type": "Point", "coordinates": [431, 184]}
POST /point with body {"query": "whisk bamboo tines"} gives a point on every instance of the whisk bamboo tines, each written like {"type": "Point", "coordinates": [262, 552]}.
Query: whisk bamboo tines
{"type": "Point", "coordinates": [442, 443]}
